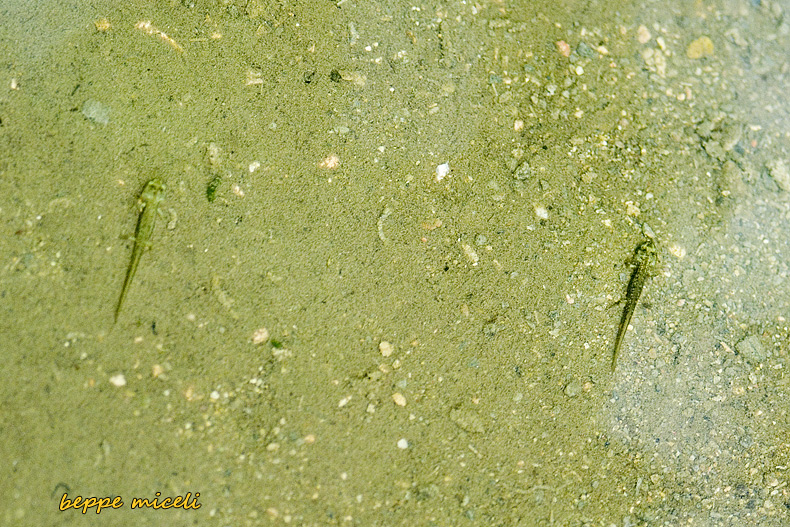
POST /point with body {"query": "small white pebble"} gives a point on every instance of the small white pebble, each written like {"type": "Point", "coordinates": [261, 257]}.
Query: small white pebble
{"type": "Point", "coordinates": [214, 395]}
{"type": "Point", "coordinates": [255, 165]}
{"type": "Point", "coordinates": [260, 336]}
{"type": "Point", "coordinates": [470, 254]}
{"type": "Point", "coordinates": [403, 444]}
{"type": "Point", "coordinates": [442, 171]}
{"type": "Point", "coordinates": [386, 348]}
{"type": "Point", "coordinates": [330, 162]}
{"type": "Point", "coordinates": [541, 212]}
{"type": "Point", "coordinates": [399, 399]}
{"type": "Point", "coordinates": [118, 380]}
{"type": "Point", "coordinates": [344, 401]}
{"type": "Point", "coordinates": [642, 35]}
{"type": "Point", "coordinates": [677, 251]}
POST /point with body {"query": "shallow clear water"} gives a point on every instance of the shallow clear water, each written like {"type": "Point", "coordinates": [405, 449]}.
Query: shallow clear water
{"type": "Point", "coordinates": [344, 335]}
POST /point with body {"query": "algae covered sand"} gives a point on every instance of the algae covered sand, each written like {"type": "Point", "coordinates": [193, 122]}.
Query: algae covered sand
{"type": "Point", "coordinates": [380, 289]}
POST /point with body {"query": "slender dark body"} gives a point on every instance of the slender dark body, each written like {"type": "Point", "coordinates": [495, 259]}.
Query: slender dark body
{"type": "Point", "coordinates": [152, 195]}
{"type": "Point", "coordinates": [642, 262]}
